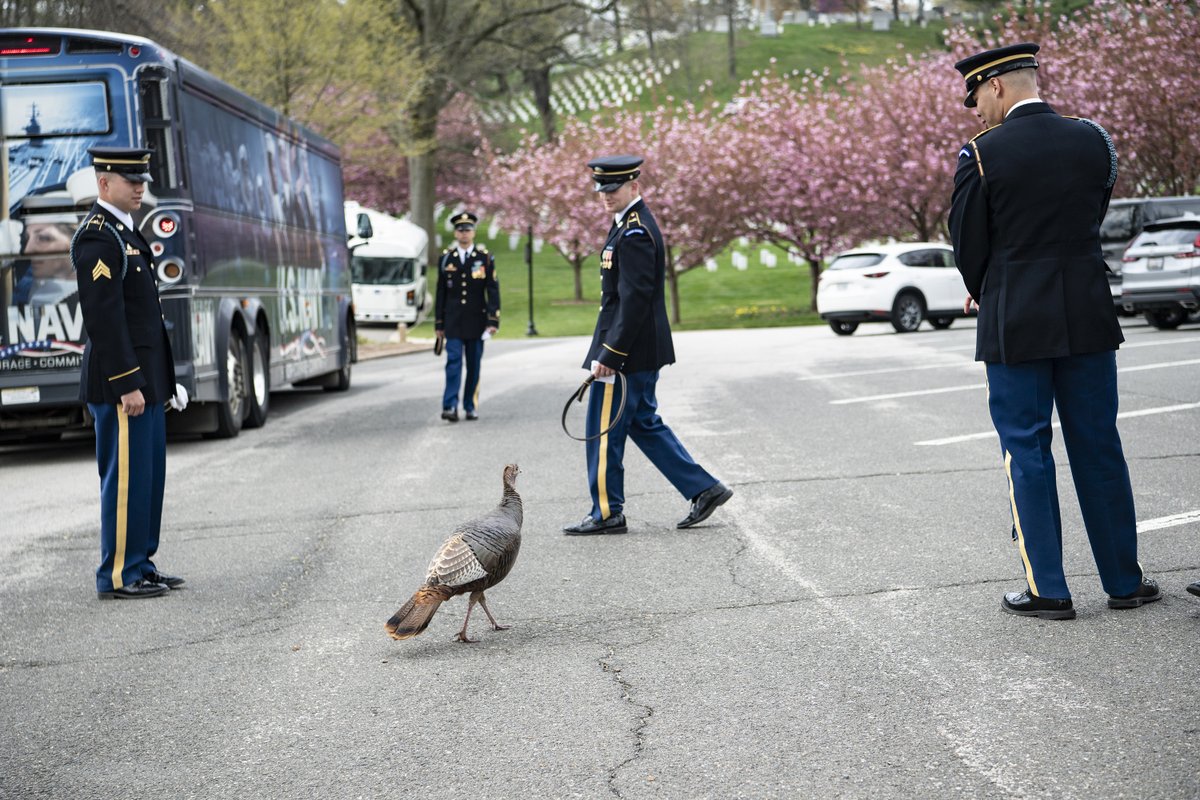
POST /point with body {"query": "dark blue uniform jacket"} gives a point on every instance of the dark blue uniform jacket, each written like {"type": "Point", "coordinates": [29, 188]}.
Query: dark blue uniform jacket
{"type": "Point", "coordinates": [1029, 195]}
{"type": "Point", "coordinates": [632, 332]}
{"type": "Point", "coordinates": [468, 295]}
{"type": "Point", "coordinates": [127, 345]}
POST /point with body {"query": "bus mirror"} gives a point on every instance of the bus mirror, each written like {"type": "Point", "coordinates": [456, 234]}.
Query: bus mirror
{"type": "Point", "coordinates": [424, 266]}
{"type": "Point", "coordinates": [364, 227]}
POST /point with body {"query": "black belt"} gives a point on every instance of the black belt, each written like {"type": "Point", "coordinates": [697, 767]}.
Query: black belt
{"type": "Point", "coordinates": [577, 397]}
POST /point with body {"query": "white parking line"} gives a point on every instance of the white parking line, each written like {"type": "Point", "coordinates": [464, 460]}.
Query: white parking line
{"type": "Point", "coordinates": [1185, 518]}
{"type": "Point", "coordinates": [966, 387]}
{"type": "Point", "coordinates": [885, 370]}
{"type": "Point", "coordinates": [1144, 412]}
{"type": "Point", "coordinates": [1157, 342]}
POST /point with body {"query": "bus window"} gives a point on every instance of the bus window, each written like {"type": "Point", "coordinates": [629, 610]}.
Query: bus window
{"type": "Point", "coordinates": [152, 94]}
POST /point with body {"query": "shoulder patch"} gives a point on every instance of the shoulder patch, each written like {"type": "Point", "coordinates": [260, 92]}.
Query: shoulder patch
{"type": "Point", "coordinates": [97, 220]}
{"type": "Point", "coordinates": [634, 231]}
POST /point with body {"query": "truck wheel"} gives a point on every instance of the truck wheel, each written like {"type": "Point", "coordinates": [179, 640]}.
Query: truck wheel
{"type": "Point", "coordinates": [843, 328]}
{"type": "Point", "coordinates": [941, 323]}
{"type": "Point", "coordinates": [341, 379]}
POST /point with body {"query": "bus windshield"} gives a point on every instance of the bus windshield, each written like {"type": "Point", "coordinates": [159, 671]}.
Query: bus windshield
{"type": "Point", "coordinates": [382, 271]}
{"type": "Point", "coordinates": [48, 128]}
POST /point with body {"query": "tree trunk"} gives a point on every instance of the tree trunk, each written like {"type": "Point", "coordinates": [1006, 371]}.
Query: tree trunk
{"type": "Point", "coordinates": [422, 165]}
{"type": "Point", "coordinates": [617, 31]}
{"type": "Point", "coordinates": [649, 22]}
{"type": "Point", "coordinates": [673, 282]}
{"type": "Point", "coordinates": [538, 80]}
{"type": "Point", "coordinates": [814, 271]}
{"type": "Point", "coordinates": [920, 12]}
{"type": "Point", "coordinates": [577, 268]}
{"type": "Point", "coordinates": [731, 16]}
{"type": "Point", "coordinates": [896, 10]}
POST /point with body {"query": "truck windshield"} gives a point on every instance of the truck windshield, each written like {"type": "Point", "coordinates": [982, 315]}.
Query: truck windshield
{"type": "Point", "coordinates": [382, 271]}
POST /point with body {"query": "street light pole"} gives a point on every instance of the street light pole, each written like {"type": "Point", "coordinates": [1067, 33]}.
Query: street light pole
{"type": "Point", "coordinates": [531, 330]}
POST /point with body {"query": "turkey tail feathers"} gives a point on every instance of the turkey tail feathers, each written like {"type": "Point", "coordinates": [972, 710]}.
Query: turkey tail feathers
{"type": "Point", "coordinates": [414, 616]}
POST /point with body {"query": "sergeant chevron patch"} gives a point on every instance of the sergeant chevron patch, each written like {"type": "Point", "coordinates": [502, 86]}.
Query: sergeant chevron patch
{"type": "Point", "coordinates": [101, 270]}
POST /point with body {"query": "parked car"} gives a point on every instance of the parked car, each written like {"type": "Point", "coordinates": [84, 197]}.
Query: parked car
{"type": "Point", "coordinates": [1161, 272]}
{"type": "Point", "coordinates": [1126, 218]}
{"type": "Point", "coordinates": [901, 283]}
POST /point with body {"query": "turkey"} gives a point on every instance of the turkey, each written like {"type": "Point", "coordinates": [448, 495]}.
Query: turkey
{"type": "Point", "coordinates": [476, 557]}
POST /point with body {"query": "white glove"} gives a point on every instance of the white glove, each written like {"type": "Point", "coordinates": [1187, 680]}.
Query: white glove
{"type": "Point", "coordinates": [180, 400]}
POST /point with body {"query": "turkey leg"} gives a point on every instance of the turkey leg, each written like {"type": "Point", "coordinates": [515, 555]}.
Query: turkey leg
{"type": "Point", "coordinates": [496, 626]}
{"type": "Point", "coordinates": [462, 634]}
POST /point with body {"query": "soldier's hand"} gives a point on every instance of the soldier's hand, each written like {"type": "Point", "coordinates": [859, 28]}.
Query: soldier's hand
{"type": "Point", "coordinates": [133, 403]}
{"type": "Point", "coordinates": [491, 329]}
{"type": "Point", "coordinates": [601, 371]}
{"type": "Point", "coordinates": [969, 305]}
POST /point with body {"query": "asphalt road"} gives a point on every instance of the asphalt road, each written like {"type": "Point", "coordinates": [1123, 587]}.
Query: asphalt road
{"type": "Point", "coordinates": [834, 631]}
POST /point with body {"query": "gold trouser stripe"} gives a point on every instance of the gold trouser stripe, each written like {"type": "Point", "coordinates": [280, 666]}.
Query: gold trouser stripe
{"type": "Point", "coordinates": [602, 467]}
{"type": "Point", "coordinates": [122, 495]}
{"type": "Point", "coordinates": [475, 402]}
{"type": "Point", "coordinates": [1012, 499]}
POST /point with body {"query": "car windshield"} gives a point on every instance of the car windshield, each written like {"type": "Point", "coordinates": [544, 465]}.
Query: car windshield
{"type": "Point", "coordinates": [856, 260]}
{"type": "Point", "coordinates": [1166, 237]}
{"type": "Point", "coordinates": [381, 271]}
{"type": "Point", "coordinates": [1117, 225]}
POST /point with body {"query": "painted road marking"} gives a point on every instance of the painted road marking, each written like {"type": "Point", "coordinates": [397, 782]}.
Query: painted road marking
{"type": "Point", "coordinates": [1145, 412]}
{"type": "Point", "coordinates": [1186, 518]}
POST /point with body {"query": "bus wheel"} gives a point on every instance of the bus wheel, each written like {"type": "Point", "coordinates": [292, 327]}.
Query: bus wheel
{"type": "Point", "coordinates": [340, 380]}
{"type": "Point", "coordinates": [232, 410]}
{"type": "Point", "coordinates": [258, 383]}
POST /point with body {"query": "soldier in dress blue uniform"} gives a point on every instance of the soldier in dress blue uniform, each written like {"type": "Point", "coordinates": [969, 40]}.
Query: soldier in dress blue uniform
{"type": "Point", "coordinates": [127, 377]}
{"type": "Point", "coordinates": [633, 337]}
{"type": "Point", "coordinates": [467, 312]}
{"type": "Point", "coordinates": [1029, 194]}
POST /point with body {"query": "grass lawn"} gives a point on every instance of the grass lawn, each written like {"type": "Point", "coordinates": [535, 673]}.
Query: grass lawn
{"type": "Point", "coordinates": [727, 298]}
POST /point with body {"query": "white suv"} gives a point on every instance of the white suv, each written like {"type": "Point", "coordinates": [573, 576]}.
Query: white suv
{"type": "Point", "coordinates": [1161, 272]}
{"type": "Point", "coordinates": [901, 283]}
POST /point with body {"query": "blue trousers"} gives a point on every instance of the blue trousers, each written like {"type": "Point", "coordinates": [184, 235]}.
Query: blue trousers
{"type": "Point", "coordinates": [456, 351]}
{"type": "Point", "coordinates": [1084, 389]}
{"type": "Point", "coordinates": [131, 453]}
{"type": "Point", "coordinates": [640, 422]}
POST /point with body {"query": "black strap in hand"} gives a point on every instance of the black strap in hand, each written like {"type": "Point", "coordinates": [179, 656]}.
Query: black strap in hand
{"type": "Point", "coordinates": [577, 397]}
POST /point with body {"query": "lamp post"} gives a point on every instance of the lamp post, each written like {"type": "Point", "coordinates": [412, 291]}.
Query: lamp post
{"type": "Point", "coordinates": [531, 330]}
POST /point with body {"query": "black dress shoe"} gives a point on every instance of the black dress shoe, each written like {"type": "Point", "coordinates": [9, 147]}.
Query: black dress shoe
{"type": "Point", "coordinates": [1148, 592]}
{"type": "Point", "coordinates": [1025, 604]}
{"type": "Point", "coordinates": [135, 591]}
{"type": "Point", "coordinates": [705, 503]}
{"type": "Point", "coordinates": [471, 415]}
{"type": "Point", "coordinates": [450, 415]}
{"type": "Point", "coordinates": [170, 581]}
{"type": "Point", "coordinates": [1194, 588]}
{"type": "Point", "coordinates": [590, 525]}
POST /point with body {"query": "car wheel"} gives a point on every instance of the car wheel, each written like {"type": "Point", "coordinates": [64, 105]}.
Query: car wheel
{"type": "Point", "coordinates": [907, 312]}
{"type": "Point", "coordinates": [843, 328]}
{"type": "Point", "coordinates": [1167, 320]}
{"type": "Point", "coordinates": [941, 323]}
{"type": "Point", "coordinates": [258, 382]}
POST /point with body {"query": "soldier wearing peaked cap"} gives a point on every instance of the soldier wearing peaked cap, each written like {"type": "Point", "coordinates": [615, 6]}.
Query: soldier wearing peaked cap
{"type": "Point", "coordinates": [1029, 195]}
{"type": "Point", "coordinates": [466, 312]}
{"type": "Point", "coordinates": [128, 375]}
{"type": "Point", "coordinates": [633, 337]}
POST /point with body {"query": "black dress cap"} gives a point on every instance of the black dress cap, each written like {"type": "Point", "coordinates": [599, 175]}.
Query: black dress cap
{"type": "Point", "coordinates": [609, 172]}
{"type": "Point", "coordinates": [466, 220]}
{"type": "Point", "coordinates": [986, 65]}
{"type": "Point", "coordinates": [132, 163]}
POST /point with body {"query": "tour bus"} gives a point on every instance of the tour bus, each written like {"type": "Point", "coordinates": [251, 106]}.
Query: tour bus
{"type": "Point", "coordinates": [387, 267]}
{"type": "Point", "coordinates": [244, 219]}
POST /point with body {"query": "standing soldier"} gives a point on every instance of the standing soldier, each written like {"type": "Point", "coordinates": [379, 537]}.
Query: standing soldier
{"type": "Point", "coordinates": [1029, 195]}
{"type": "Point", "coordinates": [466, 312]}
{"type": "Point", "coordinates": [633, 337]}
{"type": "Point", "coordinates": [128, 375]}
